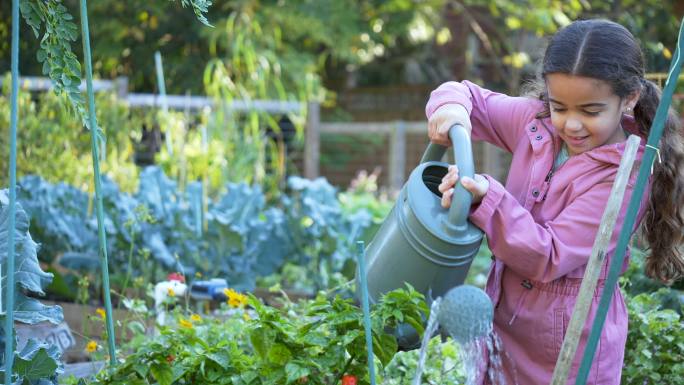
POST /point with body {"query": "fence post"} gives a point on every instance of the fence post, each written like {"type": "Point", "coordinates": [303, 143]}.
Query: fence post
{"type": "Point", "coordinates": [397, 155]}
{"type": "Point", "coordinates": [312, 145]}
{"type": "Point", "coordinates": [121, 85]}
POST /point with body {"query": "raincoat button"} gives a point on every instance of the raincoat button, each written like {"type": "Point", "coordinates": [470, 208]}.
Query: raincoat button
{"type": "Point", "coordinates": [538, 137]}
{"type": "Point", "coordinates": [533, 128]}
{"type": "Point", "coordinates": [535, 193]}
{"type": "Point", "coordinates": [526, 284]}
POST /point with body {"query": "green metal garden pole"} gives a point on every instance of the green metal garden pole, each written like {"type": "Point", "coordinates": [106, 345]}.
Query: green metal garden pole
{"type": "Point", "coordinates": [9, 301]}
{"type": "Point", "coordinates": [162, 95]}
{"type": "Point", "coordinates": [94, 130]}
{"type": "Point", "coordinates": [642, 179]}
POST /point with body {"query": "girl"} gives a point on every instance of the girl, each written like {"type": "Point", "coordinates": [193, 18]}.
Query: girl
{"type": "Point", "coordinates": [566, 146]}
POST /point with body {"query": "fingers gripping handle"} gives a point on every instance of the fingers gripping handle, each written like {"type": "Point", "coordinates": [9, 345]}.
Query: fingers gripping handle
{"type": "Point", "coordinates": [463, 155]}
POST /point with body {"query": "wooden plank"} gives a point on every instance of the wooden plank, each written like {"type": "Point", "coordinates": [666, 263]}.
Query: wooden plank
{"type": "Point", "coordinates": [39, 83]}
{"type": "Point", "coordinates": [200, 102]}
{"type": "Point", "coordinates": [312, 146]}
{"type": "Point", "coordinates": [120, 85]}
{"type": "Point", "coordinates": [596, 260]}
{"type": "Point", "coordinates": [82, 369]}
{"type": "Point", "coordinates": [371, 127]}
{"type": "Point", "coordinates": [397, 156]}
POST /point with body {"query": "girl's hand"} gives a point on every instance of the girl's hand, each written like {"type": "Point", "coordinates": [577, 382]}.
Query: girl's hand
{"type": "Point", "coordinates": [445, 117]}
{"type": "Point", "coordinates": [478, 186]}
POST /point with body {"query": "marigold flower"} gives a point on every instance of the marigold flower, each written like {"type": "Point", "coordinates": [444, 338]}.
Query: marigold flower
{"type": "Point", "coordinates": [185, 324]}
{"type": "Point", "coordinates": [170, 292]}
{"type": "Point", "coordinates": [235, 299]}
{"type": "Point", "coordinates": [91, 346]}
{"type": "Point", "coordinates": [195, 318]}
{"type": "Point", "coordinates": [101, 312]}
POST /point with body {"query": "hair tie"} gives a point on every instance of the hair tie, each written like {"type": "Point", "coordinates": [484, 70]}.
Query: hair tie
{"type": "Point", "coordinates": [657, 150]}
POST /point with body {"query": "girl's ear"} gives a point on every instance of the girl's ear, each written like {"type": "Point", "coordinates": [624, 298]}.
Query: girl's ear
{"type": "Point", "coordinates": [631, 100]}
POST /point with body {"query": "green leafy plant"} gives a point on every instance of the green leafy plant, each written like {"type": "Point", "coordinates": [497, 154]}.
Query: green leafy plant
{"type": "Point", "coordinates": [52, 23]}
{"type": "Point", "coordinates": [655, 344]}
{"type": "Point", "coordinates": [442, 365]}
{"type": "Point", "coordinates": [313, 342]}
{"type": "Point", "coordinates": [36, 361]}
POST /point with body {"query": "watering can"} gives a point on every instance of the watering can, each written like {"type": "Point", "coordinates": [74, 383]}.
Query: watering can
{"type": "Point", "coordinates": [420, 242]}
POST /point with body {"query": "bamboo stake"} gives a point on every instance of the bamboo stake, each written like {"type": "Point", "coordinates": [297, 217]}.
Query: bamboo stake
{"type": "Point", "coordinates": [9, 302]}
{"type": "Point", "coordinates": [162, 93]}
{"type": "Point", "coordinates": [593, 269]}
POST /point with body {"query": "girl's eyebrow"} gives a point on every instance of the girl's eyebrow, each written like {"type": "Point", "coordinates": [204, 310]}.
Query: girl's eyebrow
{"type": "Point", "coordinates": [595, 104]}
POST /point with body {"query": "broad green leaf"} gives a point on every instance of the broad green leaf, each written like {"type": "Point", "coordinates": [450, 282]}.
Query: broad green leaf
{"type": "Point", "coordinates": [279, 354]}
{"type": "Point", "coordinates": [36, 361]}
{"type": "Point", "coordinates": [162, 373]}
{"type": "Point", "coordinates": [295, 372]}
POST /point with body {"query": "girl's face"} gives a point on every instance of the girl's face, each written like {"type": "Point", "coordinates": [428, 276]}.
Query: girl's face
{"type": "Point", "coordinates": [585, 111]}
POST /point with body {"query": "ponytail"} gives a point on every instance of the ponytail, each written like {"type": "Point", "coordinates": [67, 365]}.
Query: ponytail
{"type": "Point", "coordinates": [663, 225]}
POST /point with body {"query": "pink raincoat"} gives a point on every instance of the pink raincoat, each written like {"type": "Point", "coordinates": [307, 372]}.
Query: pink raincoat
{"type": "Point", "coordinates": [541, 228]}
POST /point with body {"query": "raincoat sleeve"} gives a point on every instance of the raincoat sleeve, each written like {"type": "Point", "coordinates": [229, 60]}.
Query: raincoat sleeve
{"type": "Point", "coordinates": [544, 252]}
{"type": "Point", "coordinates": [496, 118]}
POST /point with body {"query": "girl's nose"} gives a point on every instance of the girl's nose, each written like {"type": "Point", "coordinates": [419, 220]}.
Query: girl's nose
{"type": "Point", "coordinates": [573, 124]}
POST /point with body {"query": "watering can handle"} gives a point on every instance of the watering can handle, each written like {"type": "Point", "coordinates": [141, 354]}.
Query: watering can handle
{"type": "Point", "coordinates": [463, 155]}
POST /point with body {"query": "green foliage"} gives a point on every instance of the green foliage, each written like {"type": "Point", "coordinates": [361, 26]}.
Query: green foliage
{"type": "Point", "coordinates": [314, 342]}
{"type": "Point", "coordinates": [238, 237]}
{"type": "Point", "coordinates": [52, 144]}
{"type": "Point", "coordinates": [655, 344]}
{"type": "Point", "coordinates": [29, 277]}
{"type": "Point", "coordinates": [36, 361]}
{"type": "Point", "coordinates": [442, 365]}
{"type": "Point", "coordinates": [52, 24]}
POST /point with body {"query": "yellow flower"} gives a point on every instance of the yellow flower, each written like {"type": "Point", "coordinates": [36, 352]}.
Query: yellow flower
{"type": "Point", "coordinates": [101, 312]}
{"type": "Point", "coordinates": [91, 346]}
{"type": "Point", "coordinates": [235, 299]}
{"type": "Point", "coordinates": [185, 324]}
{"type": "Point", "coordinates": [195, 318]}
{"type": "Point", "coordinates": [170, 292]}
{"type": "Point", "coordinates": [667, 53]}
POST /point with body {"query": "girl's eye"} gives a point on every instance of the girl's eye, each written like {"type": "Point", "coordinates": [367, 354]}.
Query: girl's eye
{"type": "Point", "coordinates": [592, 113]}
{"type": "Point", "coordinates": [556, 109]}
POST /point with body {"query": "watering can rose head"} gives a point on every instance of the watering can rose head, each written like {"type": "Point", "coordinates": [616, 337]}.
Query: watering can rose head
{"type": "Point", "coordinates": [466, 313]}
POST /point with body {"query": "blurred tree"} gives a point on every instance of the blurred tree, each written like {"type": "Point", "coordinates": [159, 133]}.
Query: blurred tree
{"type": "Point", "coordinates": [344, 42]}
